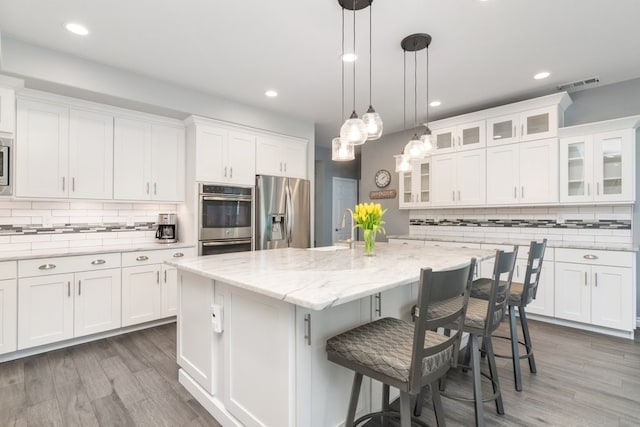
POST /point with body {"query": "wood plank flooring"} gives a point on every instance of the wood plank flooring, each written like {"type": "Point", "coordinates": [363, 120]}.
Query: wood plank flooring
{"type": "Point", "coordinates": [128, 380]}
{"type": "Point", "coordinates": [583, 379]}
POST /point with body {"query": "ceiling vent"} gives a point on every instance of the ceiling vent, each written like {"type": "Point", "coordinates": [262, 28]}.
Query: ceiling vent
{"type": "Point", "coordinates": [579, 84]}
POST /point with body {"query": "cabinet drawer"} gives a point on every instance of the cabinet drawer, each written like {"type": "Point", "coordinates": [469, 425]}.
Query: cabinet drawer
{"type": "Point", "coordinates": [8, 270]}
{"type": "Point", "coordinates": [595, 257]}
{"type": "Point", "coordinates": [60, 265]}
{"type": "Point", "coordinates": [131, 259]}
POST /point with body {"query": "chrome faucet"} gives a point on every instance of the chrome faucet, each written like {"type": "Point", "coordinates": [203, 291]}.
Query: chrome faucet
{"type": "Point", "coordinates": [351, 241]}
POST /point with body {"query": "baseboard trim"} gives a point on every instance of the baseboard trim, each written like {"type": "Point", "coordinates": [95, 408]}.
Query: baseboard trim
{"type": "Point", "coordinates": [583, 326]}
{"type": "Point", "coordinates": [81, 340]}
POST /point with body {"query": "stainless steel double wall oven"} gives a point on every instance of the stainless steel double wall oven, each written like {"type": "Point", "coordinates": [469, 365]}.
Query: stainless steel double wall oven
{"type": "Point", "coordinates": [226, 215]}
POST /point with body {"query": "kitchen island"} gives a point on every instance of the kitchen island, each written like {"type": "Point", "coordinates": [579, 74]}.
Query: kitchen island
{"type": "Point", "coordinates": [252, 326]}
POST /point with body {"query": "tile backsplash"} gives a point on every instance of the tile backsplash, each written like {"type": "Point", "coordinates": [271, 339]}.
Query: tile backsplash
{"type": "Point", "coordinates": [31, 225]}
{"type": "Point", "coordinates": [606, 225]}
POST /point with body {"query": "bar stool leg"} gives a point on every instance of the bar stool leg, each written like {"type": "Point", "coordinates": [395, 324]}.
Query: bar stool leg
{"type": "Point", "coordinates": [405, 409]}
{"type": "Point", "coordinates": [493, 371]}
{"type": "Point", "coordinates": [527, 339]}
{"type": "Point", "coordinates": [353, 402]}
{"type": "Point", "coordinates": [515, 353]}
{"type": "Point", "coordinates": [385, 404]}
{"type": "Point", "coordinates": [417, 409]}
{"type": "Point", "coordinates": [437, 405]}
{"type": "Point", "coordinates": [477, 385]}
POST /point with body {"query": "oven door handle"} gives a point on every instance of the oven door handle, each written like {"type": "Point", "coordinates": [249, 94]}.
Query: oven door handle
{"type": "Point", "coordinates": [226, 198]}
{"type": "Point", "coordinates": [226, 242]}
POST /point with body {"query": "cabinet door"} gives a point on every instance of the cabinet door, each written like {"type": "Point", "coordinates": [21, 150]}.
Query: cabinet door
{"type": "Point", "coordinates": [502, 130]}
{"type": "Point", "coordinates": [269, 157]}
{"type": "Point", "coordinates": [42, 150]}
{"type": "Point", "coordinates": [576, 169]}
{"type": "Point", "coordinates": [611, 297]}
{"type": "Point", "coordinates": [324, 387]}
{"type": "Point", "coordinates": [444, 173]}
{"type": "Point", "coordinates": [422, 183]}
{"type": "Point", "coordinates": [405, 188]}
{"type": "Point", "coordinates": [573, 292]}
{"type": "Point", "coordinates": [141, 294]}
{"type": "Point", "coordinates": [613, 155]}
{"type": "Point", "coordinates": [97, 301]}
{"type": "Point", "coordinates": [132, 160]}
{"type": "Point", "coordinates": [8, 315]}
{"type": "Point", "coordinates": [294, 157]}
{"type": "Point", "coordinates": [544, 302]}
{"type": "Point", "coordinates": [539, 124]}
{"type": "Point", "coordinates": [90, 155]}
{"type": "Point", "coordinates": [7, 110]}
{"type": "Point", "coordinates": [169, 291]}
{"type": "Point", "coordinates": [502, 175]}
{"type": "Point", "coordinates": [45, 310]}
{"type": "Point", "coordinates": [444, 140]}
{"type": "Point", "coordinates": [471, 135]}
{"type": "Point", "coordinates": [539, 171]}
{"type": "Point", "coordinates": [471, 177]}
{"type": "Point", "coordinates": [167, 163]}
{"type": "Point", "coordinates": [210, 147]}
{"type": "Point", "coordinates": [241, 153]}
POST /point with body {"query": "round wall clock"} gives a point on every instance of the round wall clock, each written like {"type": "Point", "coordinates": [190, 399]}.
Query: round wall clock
{"type": "Point", "coordinates": [383, 178]}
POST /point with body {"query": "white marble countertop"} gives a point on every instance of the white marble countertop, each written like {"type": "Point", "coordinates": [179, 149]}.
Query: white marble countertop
{"type": "Point", "coordinates": [521, 242]}
{"type": "Point", "coordinates": [318, 279]}
{"type": "Point", "coordinates": [89, 250]}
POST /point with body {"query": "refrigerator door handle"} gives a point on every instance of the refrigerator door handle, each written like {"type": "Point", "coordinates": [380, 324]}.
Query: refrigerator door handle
{"type": "Point", "coordinates": [289, 216]}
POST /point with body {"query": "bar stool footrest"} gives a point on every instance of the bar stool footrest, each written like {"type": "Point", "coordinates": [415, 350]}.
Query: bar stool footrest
{"type": "Point", "coordinates": [391, 414]}
{"type": "Point", "coordinates": [506, 356]}
{"type": "Point", "coordinates": [466, 399]}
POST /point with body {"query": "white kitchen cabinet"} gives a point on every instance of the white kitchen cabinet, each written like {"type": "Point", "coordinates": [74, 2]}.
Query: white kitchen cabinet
{"type": "Point", "coordinates": [281, 156]}
{"type": "Point", "coordinates": [459, 178]}
{"type": "Point", "coordinates": [415, 186]}
{"type": "Point", "coordinates": [462, 137]}
{"type": "Point", "coordinates": [148, 161]}
{"type": "Point", "coordinates": [525, 173]}
{"type": "Point", "coordinates": [42, 150]}
{"type": "Point", "coordinates": [598, 167]}
{"type": "Point", "coordinates": [540, 123]}
{"type": "Point", "coordinates": [8, 307]}
{"type": "Point", "coordinates": [149, 288]}
{"type": "Point", "coordinates": [7, 110]}
{"type": "Point", "coordinates": [66, 297]}
{"type": "Point", "coordinates": [223, 155]}
{"type": "Point", "coordinates": [596, 288]}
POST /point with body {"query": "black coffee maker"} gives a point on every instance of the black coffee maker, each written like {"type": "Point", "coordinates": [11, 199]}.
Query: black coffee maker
{"type": "Point", "coordinates": [167, 232]}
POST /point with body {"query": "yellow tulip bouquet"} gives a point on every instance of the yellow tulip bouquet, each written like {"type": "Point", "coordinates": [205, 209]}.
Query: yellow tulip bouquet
{"type": "Point", "coordinates": [368, 216]}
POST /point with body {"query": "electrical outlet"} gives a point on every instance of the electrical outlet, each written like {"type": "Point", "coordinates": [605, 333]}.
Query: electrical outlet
{"type": "Point", "coordinates": [47, 221]}
{"type": "Point", "coordinates": [131, 220]}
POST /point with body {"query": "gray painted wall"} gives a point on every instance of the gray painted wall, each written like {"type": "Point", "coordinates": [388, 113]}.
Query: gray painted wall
{"type": "Point", "coordinates": [604, 103]}
{"type": "Point", "coordinates": [326, 169]}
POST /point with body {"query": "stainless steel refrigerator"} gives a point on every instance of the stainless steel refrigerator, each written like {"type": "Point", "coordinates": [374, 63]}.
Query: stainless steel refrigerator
{"type": "Point", "coordinates": [283, 217]}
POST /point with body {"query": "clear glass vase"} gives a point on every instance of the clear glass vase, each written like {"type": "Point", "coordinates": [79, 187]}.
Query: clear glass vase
{"type": "Point", "coordinates": [369, 242]}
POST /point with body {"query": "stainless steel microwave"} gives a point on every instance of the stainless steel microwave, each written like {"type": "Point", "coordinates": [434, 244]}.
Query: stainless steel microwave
{"type": "Point", "coordinates": [5, 166]}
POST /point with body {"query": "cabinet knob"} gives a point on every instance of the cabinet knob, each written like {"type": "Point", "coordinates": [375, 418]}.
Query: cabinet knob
{"type": "Point", "coordinates": [142, 258]}
{"type": "Point", "coordinates": [47, 267]}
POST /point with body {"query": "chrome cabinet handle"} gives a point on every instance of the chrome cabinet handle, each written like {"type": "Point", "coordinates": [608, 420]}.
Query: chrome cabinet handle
{"type": "Point", "coordinates": [158, 277]}
{"type": "Point", "coordinates": [585, 278]}
{"type": "Point", "coordinates": [47, 267]}
{"type": "Point", "coordinates": [307, 328]}
{"type": "Point", "coordinates": [285, 166]}
{"type": "Point", "coordinates": [453, 195]}
{"type": "Point", "coordinates": [79, 287]}
{"type": "Point", "coordinates": [142, 258]}
{"type": "Point", "coordinates": [280, 166]}
{"type": "Point", "coordinates": [98, 262]}
{"type": "Point", "coordinates": [514, 131]}
{"type": "Point", "coordinates": [596, 279]}
{"type": "Point", "coordinates": [73, 184]}
{"type": "Point", "coordinates": [590, 256]}
{"type": "Point", "coordinates": [68, 289]}
{"type": "Point", "coordinates": [178, 255]}
{"type": "Point", "coordinates": [458, 195]}
{"type": "Point", "coordinates": [231, 172]}
{"type": "Point", "coordinates": [597, 188]}
{"type": "Point", "coordinates": [225, 171]}
{"type": "Point", "coordinates": [588, 189]}
{"type": "Point", "coordinates": [522, 192]}
{"type": "Point", "coordinates": [147, 188]}
{"type": "Point", "coordinates": [515, 192]}
{"type": "Point", "coordinates": [63, 182]}
{"type": "Point", "coordinates": [165, 276]}
{"type": "Point", "coordinates": [155, 188]}
{"type": "Point", "coordinates": [521, 130]}
{"type": "Point", "coordinates": [379, 304]}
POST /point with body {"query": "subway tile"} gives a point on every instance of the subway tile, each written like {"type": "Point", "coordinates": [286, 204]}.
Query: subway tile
{"type": "Point", "coordinates": [113, 219]}
{"type": "Point", "coordinates": [118, 206]}
{"type": "Point", "coordinates": [4, 240]}
{"type": "Point", "coordinates": [99, 213]}
{"type": "Point", "coordinates": [9, 204]}
{"type": "Point", "coordinates": [86, 205]}
{"type": "Point", "coordinates": [14, 220]}
{"type": "Point", "coordinates": [613, 239]}
{"type": "Point", "coordinates": [623, 210]}
{"type": "Point", "coordinates": [15, 247]}
{"type": "Point", "coordinates": [596, 209]}
{"type": "Point", "coordinates": [5, 212]}
{"type": "Point", "coordinates": [30, 212]}
{"type": "Point", "coordinates": [83, 243]}
{"type": "Point", "coordinates": [69, 236]}
{"type": "Point", "coordinates": [126, 212]}
{"type": "Point", "coordinates": [29, 238]}
{"type": "Point", "coordinates": [118, 242]}
{"type": "Point", "coordinates": [66, 212]}
{"type": "Point", "coordinates": [589, 239]}
{"type": "Point", "coordinates": [621, 233]}
{"type": "Point", "coordinates": [50, 205]}
{"type": "Point", "coordinates": [50, 245]}
{"type": "Point", "coordinates": [146, 207]}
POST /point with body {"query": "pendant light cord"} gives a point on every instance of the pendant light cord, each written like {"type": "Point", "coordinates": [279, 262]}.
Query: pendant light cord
{"type": "Point", "coordinates": [354, 62]}
{"type": "Point", "coordinates": [427, 125]}
{"type": "Point", "coordinates": [404, 92]}
{"type": "Point", "coordinates": [415, 89]}
{"type": "Point", "coordinates": [370, 20]}
{"type": "Point", "coordinates": [342, 65]}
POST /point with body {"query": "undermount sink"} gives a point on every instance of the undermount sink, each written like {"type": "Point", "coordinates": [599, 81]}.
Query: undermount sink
{"type": "Point", "coordinates": [329, 248]}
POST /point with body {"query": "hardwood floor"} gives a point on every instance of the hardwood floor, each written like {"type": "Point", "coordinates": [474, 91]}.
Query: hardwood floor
{"type": "Point", "coordinates": [128, 380]}
{"type": "Point", "coordinates": [583, 379]}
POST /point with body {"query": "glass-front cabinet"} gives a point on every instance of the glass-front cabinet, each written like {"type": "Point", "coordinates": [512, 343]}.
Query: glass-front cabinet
{"type": "Point", "coordinates": [462, 137]}
{"type": "Point", "coordinates": [597, 167]}
{"type": "Point", "coordinates": [531, 125]}
{"type": "Point", "coordinates": [415, 186]}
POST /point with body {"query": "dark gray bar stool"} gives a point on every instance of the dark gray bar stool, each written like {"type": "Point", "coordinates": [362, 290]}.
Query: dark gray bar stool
{"type": "Point", "coordinates": [407, 355]}
{"type": "Point", "coordinates": [520, 296]}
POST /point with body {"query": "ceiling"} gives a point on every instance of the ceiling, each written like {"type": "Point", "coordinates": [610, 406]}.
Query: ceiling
{"type": "Point", "coordinates": [483, 52]}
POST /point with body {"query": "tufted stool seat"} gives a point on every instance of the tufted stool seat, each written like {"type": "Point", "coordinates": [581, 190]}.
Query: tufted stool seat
{"type": "Point", "coordinates": [404, 355]}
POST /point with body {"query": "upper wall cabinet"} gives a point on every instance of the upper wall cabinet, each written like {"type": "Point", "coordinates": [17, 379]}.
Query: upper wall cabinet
{"type": "Point", "coordinates": [462, 137]}
{"type": "Point", "coordinates": [599, 165]}
{"type": "Point", "coordinates": [223, 155]}
{"type": "Point", "coordinates": [7, 110]}
{"type": "Point", "coordinates": [415, 186]}
{"type": "Point", "coordinates": [524, 126]}
{"type": "Point", "coordinates": [148, 161]}
{"type": "Point", "coordinates": [281, 156]}
{"type": "Point", "coordinates": [459, 179]}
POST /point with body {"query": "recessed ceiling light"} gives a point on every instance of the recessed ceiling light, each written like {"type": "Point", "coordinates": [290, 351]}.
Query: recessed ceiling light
{"type": "Point", "coordinates": [76, 28]}
{"type": "Point", "coordinates": [542, 75]}
{"type": "Point", "coordinates": [271, 93]}
{"type": "Point", "coordinates": [349, 57]}
{"type": "Point", "coordinates": [435, 103]}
